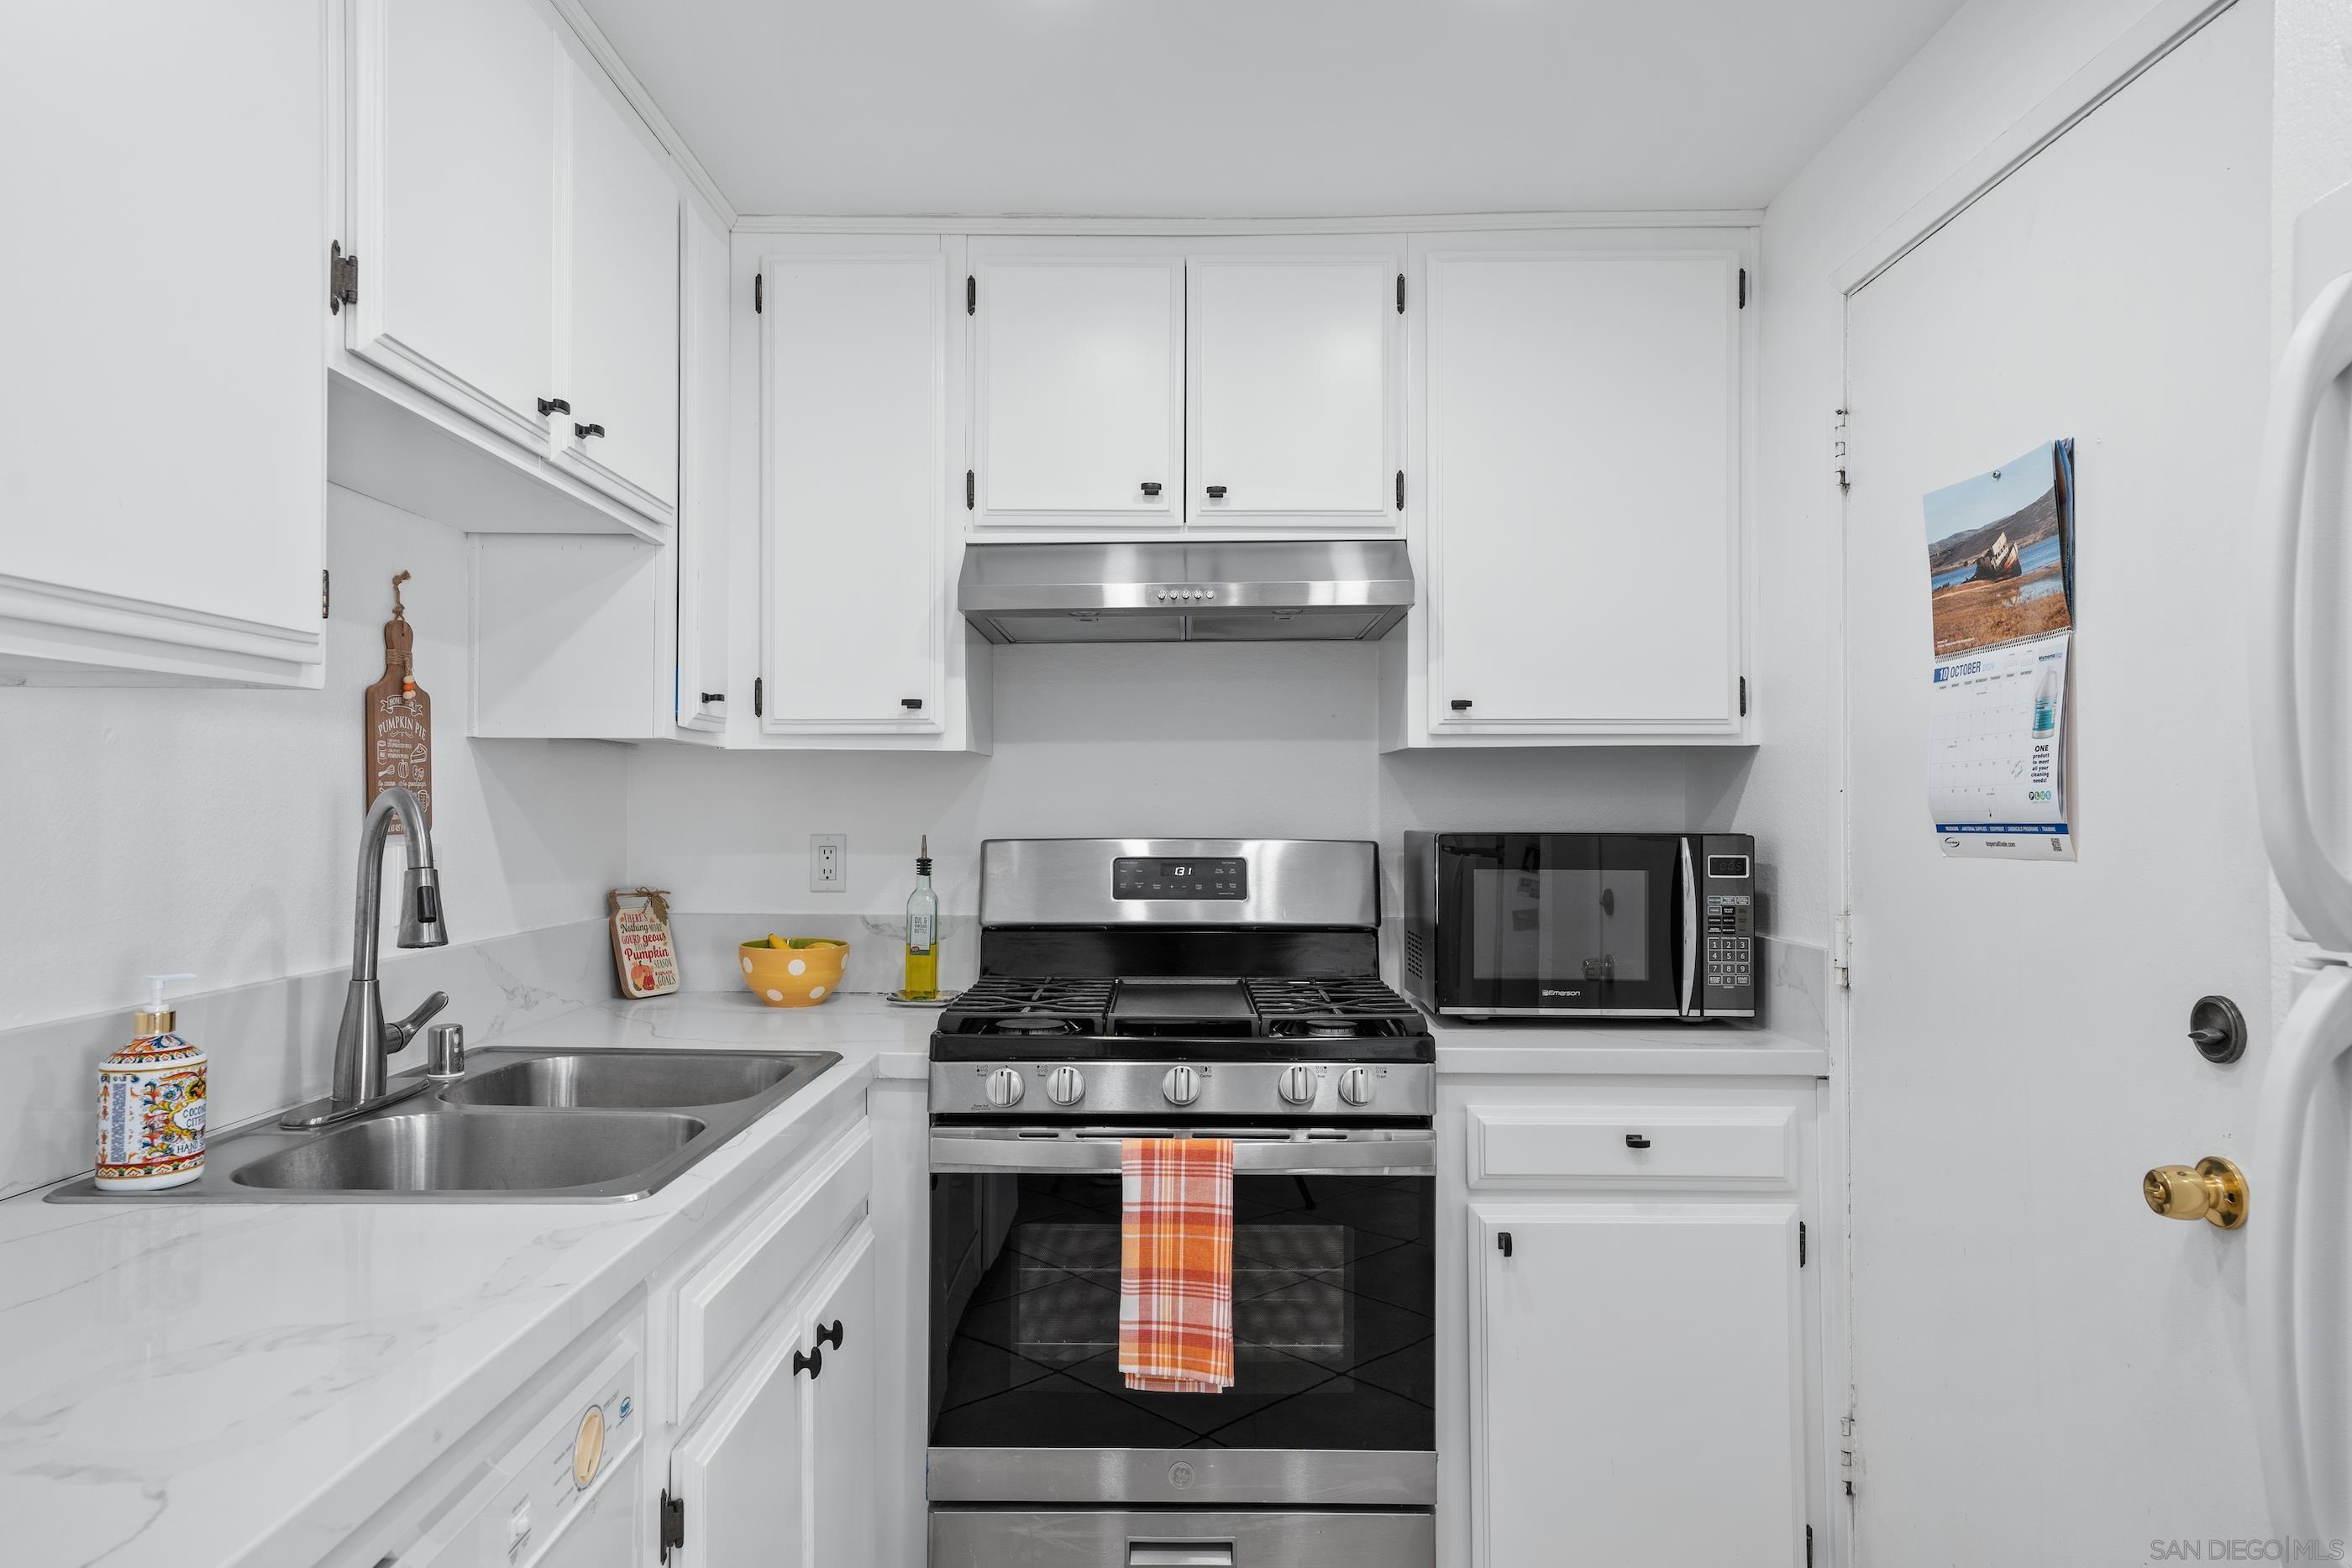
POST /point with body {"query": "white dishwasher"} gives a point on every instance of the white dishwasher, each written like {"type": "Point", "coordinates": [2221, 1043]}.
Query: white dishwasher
{"type": "Point", "coordinates": [566, 1494]}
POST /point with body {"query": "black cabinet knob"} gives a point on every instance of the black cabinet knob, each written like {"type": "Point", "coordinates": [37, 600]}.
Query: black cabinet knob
{"type": "Point", "coordinates": [832, 1336]}
{"type": "Point", "coordinates": [1151, 487]}
{"type": "Point", "coordinates": [813, 1363]}
{"type": "Point", "coordinates": [1503, 1242]}
{"type": "Point", "coordinates": [553, 405]}
{"type": "Point", "coordinates": [1216, 492]}
{"type": "Point", "coordinates": [584, 431]}
{"type": "Point", "coordinates": [1461, 705]}
{"type": "Point", "coordinates": [1636, 1140]}
{"type": "Point", "coordinates": [912, 705]}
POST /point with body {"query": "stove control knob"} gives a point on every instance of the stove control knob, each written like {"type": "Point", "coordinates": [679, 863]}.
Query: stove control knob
{"type": "Point", "coordinates": [1004, 1087]}
{"type": "Point", "coordinates": [1066, 1086]}
{"type": "Point", "coordinates": [1356, 1086]}
{"type": "Point", "coordinates": [1182, 1086]}
{"type": "Point", "coordinates": [1298, 1085]}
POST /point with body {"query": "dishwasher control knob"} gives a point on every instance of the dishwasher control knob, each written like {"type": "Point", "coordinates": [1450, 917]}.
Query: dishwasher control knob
{"type": "Point", "coordinates": [1004, 1086]}
{"type": "Point", "coordinates": [1064, 1086]}
{"type": "Point", "coordinates": [1298, 1085]}
{"type": "Point", "coordinates": [1182, 1086]}
{"type": "Point", "coordinates": [1356, 1086]}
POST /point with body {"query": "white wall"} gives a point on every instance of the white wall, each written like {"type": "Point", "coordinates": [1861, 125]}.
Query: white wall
{"type": "Point", "coordinates": [216, 830]}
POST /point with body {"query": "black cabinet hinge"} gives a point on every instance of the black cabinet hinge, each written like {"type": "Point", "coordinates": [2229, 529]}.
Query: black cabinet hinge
{"type": "Point", "coordinates": [1808, 1546]}
{"type": "Point", "coordinates": [343, 278]}
{"type": "Point", "coordinates": [326, 591]}
{"type": "Point", "coordinates": [1503, 1242]}
{"type": "Point", "coordinates": [1400, 489]}
{"type": "Point", "coordinates": [1801, 1244]}
{"type": "Point", "coordinates": [971, 295]}
{"type": "Point", "coordinates": [672, 1524]}
{"type": "Point", "coordinates": [709, 698]}
{"type": "Point", "coordinates": [758, 294]}
{"type": "Point", "coordinates": [969, 486]}
{"type": "Point", "coordinates": [760, 697]}
{"type": "Point", "coordinates": [1743, 697]}
{"type": "Point", "coordinates": [1743, 289]}
{"type": "Point", "coordinates": [1400, 293]}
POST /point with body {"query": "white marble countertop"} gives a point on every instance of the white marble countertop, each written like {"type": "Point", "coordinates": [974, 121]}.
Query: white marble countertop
{"type": "Point", "coordinates": [244, 1385]}
{"type": "Point", "coordinates": [1663, 1049]}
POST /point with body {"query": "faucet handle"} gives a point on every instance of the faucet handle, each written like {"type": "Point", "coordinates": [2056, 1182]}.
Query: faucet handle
{"type": "Point", "coordinates": [396, 1036]}
{"type": "Point", "coordinates": [445, 1053]}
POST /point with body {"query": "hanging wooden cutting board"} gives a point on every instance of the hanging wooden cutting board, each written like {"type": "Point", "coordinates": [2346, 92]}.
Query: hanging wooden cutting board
{"type": "Point", "coordinates": [399, 722]}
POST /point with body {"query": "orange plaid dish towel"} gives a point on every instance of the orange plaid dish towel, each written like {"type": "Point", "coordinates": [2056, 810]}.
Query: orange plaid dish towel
{"type": "Point", "coordinates": [1176, 1264]}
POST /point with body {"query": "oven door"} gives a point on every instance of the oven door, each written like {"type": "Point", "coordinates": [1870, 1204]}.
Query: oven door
{"type": "Point", "coordinates": [1334, 1325]}
{"type": "Point", "coordinates": [1595, 924]}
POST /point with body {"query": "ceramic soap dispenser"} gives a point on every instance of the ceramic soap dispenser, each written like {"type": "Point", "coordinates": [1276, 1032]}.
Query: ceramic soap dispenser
{"type": "Point", "coordinates": [151, 1104]}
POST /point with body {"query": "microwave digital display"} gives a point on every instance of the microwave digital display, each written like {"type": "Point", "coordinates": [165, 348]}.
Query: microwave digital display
{"type": "Point", "coordinates": [1134, 876]}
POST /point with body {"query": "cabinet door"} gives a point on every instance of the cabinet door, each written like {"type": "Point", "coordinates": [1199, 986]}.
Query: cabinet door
{"type": "Point", "coordinates": [1078, 391]}
{"type": "Point", "coordinates": [856, 463]}
{"type": "Point", "coordinates": [453, 189]}
{"type": "Point", "coordinates": [162, 441]}
{"type": "Point", "coordinates": [1292, 412]}
{"type": "Point", "coordinates": [621, 272]}
{"type": "Point", "coordinates": [1635, 1382]}
{"type": "Point", "coordinates": [843, 1500]}
{"type": "Point", "coordinates": [704, 491]}
{"type": "Point", "coordinates": [1583, 501]}
{"type": "Point", "coordinates": [741, 1473]}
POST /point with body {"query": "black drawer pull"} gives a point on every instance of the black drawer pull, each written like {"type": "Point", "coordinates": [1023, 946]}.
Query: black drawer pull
{"type": "Point", "coordinates": [1461, 705]}
{"type": "Point", "coordinates": [1216, 492]}
{"type": "Point", "coordinates": [1151, 487]}
{"type": "Point", "coordinates": [912, 705]}
{"type": "Point", "coordinates": [584, 431]}
{"type": "Point", "coordinates": [813, 1363]}
{"type": "Point", "coordinates": [714, 696]}
{"type": "Point", "coordinates": [1503, 1242]}
{"type": "Point", "coordinates": [834, 1332]}
{"type": "Point", "coordinates": [553, 405]}
{"type": "Point", "coordinates": [1636, 1140]}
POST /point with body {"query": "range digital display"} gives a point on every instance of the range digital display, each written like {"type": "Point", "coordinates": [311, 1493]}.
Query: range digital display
{"type": "Point", "coordinates": [1133, 877]}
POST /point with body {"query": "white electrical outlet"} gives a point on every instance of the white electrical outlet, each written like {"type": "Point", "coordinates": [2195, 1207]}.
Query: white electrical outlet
{"type": "Point", "coordinates": [828, 862]}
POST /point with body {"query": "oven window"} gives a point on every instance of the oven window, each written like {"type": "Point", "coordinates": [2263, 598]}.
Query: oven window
{"type": "Point", "coordinates": [1334, 1293]}
{"type": "Point", "coordinates": [1591, 924]}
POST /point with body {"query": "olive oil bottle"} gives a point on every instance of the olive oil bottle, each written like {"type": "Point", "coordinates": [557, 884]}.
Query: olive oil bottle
{"type": "Point", "coordinates": [922, 932]}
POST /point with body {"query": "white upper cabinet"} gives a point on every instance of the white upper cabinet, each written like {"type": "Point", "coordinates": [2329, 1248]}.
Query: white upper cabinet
{"type": "Point", "coordinates": [1294, 369]}
{"type": "Point", "coordinates": [1582, 537]}
{"type": "Point", "coordinates": [621, 289]}
{"type": "Point", "coordinates": [856, 416]}
{"type": "Point", "coordinates": [163, 483]}
{"type": "Point", "coordinates": [1079, 387]}
{"type": "Point", "coordinates": [453, 163]}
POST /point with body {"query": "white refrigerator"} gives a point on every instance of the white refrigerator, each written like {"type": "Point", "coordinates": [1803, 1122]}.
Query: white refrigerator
{"type": "Point", "coordinates": [2299, 1282]}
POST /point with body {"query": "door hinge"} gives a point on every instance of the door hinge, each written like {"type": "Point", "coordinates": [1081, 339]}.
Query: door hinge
{"type": "Point", "coordinates": [971, 295]}
{"type": "Point", "coordinates": [1400, 489]}
{"type": "Point", "coordinates": [1400, 293]}
{"type": "Point", "coordinates": [1743, 697]}
{"type": "Point", "coordinates": [326, 591]}
{"type": "Point", "coordinates": [1839, 464]}
{"type": "Point", "coordinates": [1743, 289]}
{"type": "Point", "coordinates": [1842, 951]}
{"type": "Point", "coordinates": [343, 278]}
{"type": "Point", "coordinates": [970, 487]}
{"type": "Point", "coordinates": [1801, 1244]}
{"type": "Point", "coordinates": [758, 294]}
{"type": "Point", "coordinates": [672, 1524]}
{"type": "Point", "coordinates": [1808, 1546]}
{"type": "Point", "coordinates": [760, 697]}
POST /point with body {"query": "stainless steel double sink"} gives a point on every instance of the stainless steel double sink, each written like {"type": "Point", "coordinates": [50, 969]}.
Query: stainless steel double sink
{"type": "Point", "coordinates": [524, 1126]}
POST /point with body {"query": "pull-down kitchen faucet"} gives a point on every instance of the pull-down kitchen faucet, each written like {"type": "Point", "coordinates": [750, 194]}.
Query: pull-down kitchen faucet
{"type": "Point", "coordinates": [365, 1042]}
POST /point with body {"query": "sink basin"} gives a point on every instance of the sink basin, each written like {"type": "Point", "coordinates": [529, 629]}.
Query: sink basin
{"type": "Point", "coordinates": [494, 1151]}
{"type": "Point", "coordinates": [632, 1079]}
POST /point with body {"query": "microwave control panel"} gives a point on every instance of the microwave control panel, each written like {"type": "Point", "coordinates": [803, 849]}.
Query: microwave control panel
{"type": "Point", "coordinates": [1730, 939]}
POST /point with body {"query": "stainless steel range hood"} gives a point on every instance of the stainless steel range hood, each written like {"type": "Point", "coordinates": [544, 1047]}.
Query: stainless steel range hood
{"type": "Point", "coordinates": [1253, 591]}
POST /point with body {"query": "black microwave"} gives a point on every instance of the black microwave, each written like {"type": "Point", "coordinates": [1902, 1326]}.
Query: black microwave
{"type": "Point", "coordinates": [1614, 925]}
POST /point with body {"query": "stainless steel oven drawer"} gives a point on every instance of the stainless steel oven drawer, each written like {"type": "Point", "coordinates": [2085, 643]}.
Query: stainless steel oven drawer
{"type": "Point", "coordinates": [1112, 1538]}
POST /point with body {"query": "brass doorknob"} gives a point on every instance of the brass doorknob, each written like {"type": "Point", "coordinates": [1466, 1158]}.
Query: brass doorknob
{"type": "Point", "coordinates": [2214, 1190]}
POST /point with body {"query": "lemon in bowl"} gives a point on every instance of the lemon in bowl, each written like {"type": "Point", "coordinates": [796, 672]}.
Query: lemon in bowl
{"type": "Point", "coordinates": [793, 971]}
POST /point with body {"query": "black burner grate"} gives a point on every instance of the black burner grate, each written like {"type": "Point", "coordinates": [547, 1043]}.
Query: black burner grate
{"type": "Point", "coordinates": [1330, 1006]}
{"type": "Point", "coordinates": [1027, 1005]}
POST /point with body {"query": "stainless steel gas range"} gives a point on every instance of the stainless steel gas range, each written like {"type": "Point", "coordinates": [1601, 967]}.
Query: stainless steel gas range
{"type": "Point", "coordinates": [1153, 988]}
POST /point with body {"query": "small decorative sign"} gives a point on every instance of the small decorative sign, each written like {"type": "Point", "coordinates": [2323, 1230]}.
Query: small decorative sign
{"type": "Point", "coordinates": [399, 722]}
{"type": "Point", "coordinates": [643, 953]}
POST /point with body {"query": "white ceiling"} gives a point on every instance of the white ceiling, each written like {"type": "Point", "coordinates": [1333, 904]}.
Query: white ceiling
{"type": "Point", "coordinates": [1259, 107]}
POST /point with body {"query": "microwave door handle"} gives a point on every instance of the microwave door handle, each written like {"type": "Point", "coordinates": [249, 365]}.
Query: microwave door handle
{"type": "Point", "coordinates": [2318, 890]}
{"type": "Point", "coordinates": [1689, 888]}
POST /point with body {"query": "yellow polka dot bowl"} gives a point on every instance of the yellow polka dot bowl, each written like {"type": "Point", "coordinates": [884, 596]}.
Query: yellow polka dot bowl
{"type": "Point", "coordinates": [793, 971]}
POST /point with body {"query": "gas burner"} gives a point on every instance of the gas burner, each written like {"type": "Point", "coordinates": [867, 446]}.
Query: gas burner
{"type": "Point", "coordinates": [1035, 1023]}
{"type": "Point", "coordinates": [1329, 1028]}
{"type": "Point", "coordinates": [1028, 1006]}
{"type": "Point", "coordinates": [1330, 1007]}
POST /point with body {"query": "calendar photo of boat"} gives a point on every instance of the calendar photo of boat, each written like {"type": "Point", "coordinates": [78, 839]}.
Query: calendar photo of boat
{"type": "Point", "coordinates": [1999, 545]}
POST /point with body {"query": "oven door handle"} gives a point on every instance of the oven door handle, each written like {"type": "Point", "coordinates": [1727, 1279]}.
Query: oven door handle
{"type": "Point", "coordinates": [1409, 1152]}
{"type": "Point", "coordinates": [1690, 933]}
